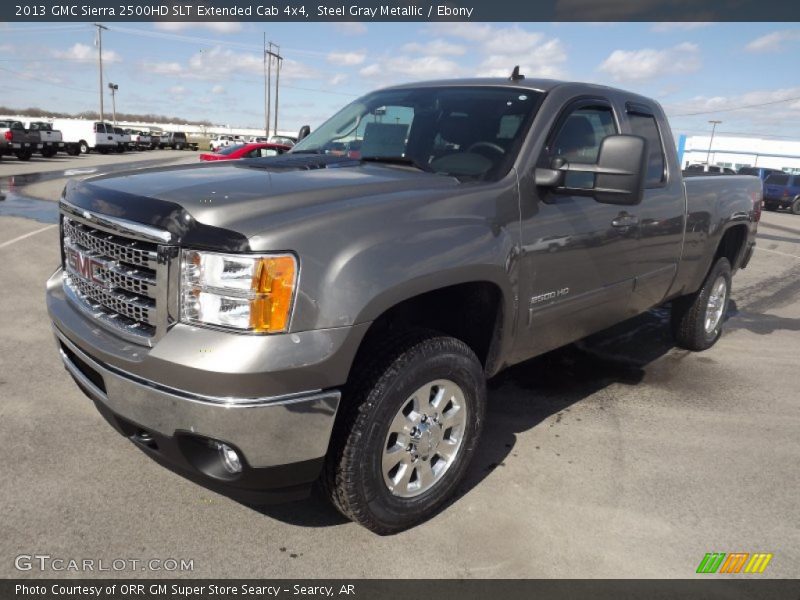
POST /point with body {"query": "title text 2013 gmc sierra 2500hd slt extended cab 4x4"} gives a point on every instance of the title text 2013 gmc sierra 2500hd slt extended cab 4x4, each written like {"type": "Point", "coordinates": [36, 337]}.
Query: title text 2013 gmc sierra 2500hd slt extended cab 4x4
{"type": "Point", "coordinates": [262, 325]}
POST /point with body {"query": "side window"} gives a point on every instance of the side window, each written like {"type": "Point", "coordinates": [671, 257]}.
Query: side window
{"type": "Point", "coordinates": [646, 127]}
{"type": "Point", "coordinates": [578, 140]}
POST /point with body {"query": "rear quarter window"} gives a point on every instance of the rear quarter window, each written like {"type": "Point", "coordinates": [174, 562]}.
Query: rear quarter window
{"type": "Point", "coordinates": [778, 179]}
{"type": "Point", "coordinates": [646, 127]}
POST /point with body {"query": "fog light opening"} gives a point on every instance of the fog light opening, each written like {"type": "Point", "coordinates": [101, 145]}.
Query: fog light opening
{"type": "Point", "coordinates": [230, 458]}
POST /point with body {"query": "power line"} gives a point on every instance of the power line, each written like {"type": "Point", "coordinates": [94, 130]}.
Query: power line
{"type": "Point", "coordinates": [721, 110]}
{"type": "Point", "coordinates": [24, 76]}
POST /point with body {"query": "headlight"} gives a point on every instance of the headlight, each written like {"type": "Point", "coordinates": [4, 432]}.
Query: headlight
{"type": "Point", "coordinates": [246, 292]}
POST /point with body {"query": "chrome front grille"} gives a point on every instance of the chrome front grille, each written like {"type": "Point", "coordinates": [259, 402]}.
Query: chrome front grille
{"type": "Point", "coordinates": [119, 280]}
{"type": "Point", "coordinates": [131, 252]}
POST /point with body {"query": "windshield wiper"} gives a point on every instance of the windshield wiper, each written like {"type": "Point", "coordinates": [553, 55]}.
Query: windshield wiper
{"type": "Point", "coordinates": [305, 152]}
{"type": "Point", "coordinates": [397, 160]}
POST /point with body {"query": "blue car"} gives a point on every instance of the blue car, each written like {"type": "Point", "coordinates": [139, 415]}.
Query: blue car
{"type": "Point", "coordinates": [782, 191]}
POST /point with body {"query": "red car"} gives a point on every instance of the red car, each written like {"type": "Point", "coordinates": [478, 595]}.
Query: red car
{"type": "Point", "coordinates": [246, 151]}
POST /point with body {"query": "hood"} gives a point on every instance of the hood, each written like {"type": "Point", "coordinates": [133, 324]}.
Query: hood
{"type": "Point", "coordinates": [220, 204]}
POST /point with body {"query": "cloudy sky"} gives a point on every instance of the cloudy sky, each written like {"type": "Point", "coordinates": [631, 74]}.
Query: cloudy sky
{"type": "Point", "coordinates": [214, 71]}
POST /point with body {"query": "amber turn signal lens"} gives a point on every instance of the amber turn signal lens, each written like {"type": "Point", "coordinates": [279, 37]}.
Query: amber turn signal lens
{"type": "Point", "coordinates": [273, 284]}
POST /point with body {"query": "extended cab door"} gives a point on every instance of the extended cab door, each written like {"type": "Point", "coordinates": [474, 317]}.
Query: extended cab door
{"type": "Point", "coordinates": [575, 275]}
{"type": "Point", "coordinates": [661, 214]}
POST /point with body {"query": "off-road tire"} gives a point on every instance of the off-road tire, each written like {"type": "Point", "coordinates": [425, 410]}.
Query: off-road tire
{"type": "Point", "coordinates": [689, 312]}
{"type": "Point", "coordinates": [378, 388]}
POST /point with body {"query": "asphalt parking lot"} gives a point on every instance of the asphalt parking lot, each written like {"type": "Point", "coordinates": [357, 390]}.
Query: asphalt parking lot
{"type": "Point", "coordinates": [618, 457]}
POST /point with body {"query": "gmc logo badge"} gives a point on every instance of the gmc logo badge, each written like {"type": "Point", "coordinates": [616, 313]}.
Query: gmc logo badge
{"type": "Point", "coordinates": [86, 267]}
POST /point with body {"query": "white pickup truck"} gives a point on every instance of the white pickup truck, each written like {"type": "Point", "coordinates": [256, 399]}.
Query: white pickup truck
{"type": "Point", "coordinates": [51, 139]}
{"type": "Point", "coordinates": [140, 140]}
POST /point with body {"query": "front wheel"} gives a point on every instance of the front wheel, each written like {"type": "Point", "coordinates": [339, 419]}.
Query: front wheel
{"type": "Point", "coordinates": [412, 422]}
{"type": "Point", "coordinates": [796, 206]}
{"type": "Point", "coordinates": [697, 319]}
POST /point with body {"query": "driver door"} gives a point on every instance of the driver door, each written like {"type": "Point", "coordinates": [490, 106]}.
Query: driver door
{"type": "Point", "coordinates": [575, 276]}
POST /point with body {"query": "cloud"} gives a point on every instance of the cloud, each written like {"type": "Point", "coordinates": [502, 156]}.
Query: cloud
{"type": "Point", "coordinates": [418, 67]}
{"type": "Point", "coordinates": [224, 27]}
{"type": "Point", "coordinates": [773, 42]}
{"type": "Point", "coordinates": [218, 89]}
{"type": "Point", "coordinates": [177, 90]}
{"type": "Point", "coordinates": [641, 65]}
{"type": "Point", "coordinates": [435, 47]}
{"type": "Point", "coordinates": [7, 48]}
{"type": "Point", "coordinates": [503, 48]}
{"type": "Point", "coordinates": [474, 32]}
{"type": "Point", "coordinates": [347, 59]}
{"type": "Point", "coordinates": [219, 64]}
{"type": "Point", "coordinates": [350, 28]}
{"type": "Point", "coordinates": [338, 79]}
{"type": "Point", "coordinates": [769, 110]}
{"type": "Point", "coordinates": [667, 26]}
{"type": "Point", "coordinates": [83, 53]}
{"type": "Point", "coordinates": [162, 68]}
{"type": "Point", "coordinates": [545, 60]}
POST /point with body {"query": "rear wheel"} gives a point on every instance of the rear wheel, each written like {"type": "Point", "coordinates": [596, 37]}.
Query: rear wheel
{"type": "Point", "coordinates": [796, 206]}
{"type": "Point", "coordinates": [83, 147]}
{"type": "Point", "coordinates": [697, 319]}
{"type": "Point", "coordinates": [48, 152]}
{"type": "Point", "coordinates": [413, 417]}
{"type": "Point", "coordinates": [24, 155]}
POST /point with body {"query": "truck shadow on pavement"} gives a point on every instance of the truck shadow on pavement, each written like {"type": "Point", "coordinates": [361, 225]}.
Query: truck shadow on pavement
{"type": "Point", "coordinates": [525, 395]}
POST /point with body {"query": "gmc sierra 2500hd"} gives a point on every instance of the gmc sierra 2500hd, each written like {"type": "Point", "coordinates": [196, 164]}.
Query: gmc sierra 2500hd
{"type": "Point", "coordinates": [332, 314]}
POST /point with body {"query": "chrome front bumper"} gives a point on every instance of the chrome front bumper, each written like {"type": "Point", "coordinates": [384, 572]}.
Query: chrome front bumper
{"type": "Point", "coordinates": [269, 431]}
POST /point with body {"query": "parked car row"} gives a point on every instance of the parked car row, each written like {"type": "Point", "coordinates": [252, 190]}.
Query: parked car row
{"type": "Point", "coordinates": [23, 140]}
{"type": "Point", "coordinates": [779, 189]}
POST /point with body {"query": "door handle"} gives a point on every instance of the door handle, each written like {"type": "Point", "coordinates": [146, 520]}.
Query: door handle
{"type": "Point", "coordinates": [625, 220]}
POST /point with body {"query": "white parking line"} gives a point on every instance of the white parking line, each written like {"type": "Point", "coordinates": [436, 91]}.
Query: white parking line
{"type": "Point", "coordinates": [757, 250]}
{"type": "Point", "coordinates": [27, 235]}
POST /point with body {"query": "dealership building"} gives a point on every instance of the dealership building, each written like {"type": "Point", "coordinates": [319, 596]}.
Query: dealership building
{"type": "Point", "coordinates": [740, 151]}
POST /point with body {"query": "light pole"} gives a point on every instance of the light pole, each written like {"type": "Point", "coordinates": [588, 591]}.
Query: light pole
{"type": "Point", "coordinates": [114, 87]}
{"type": "Point", "coordinates": [100, 29]}
{"type": "Point", "coordinates": [711, 141]}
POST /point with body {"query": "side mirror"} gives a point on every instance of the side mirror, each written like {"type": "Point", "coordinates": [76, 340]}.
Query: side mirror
{"type": "Point", "coordinates": [305, 130]}
{"type": "Point", "coordinates": [618, 174]}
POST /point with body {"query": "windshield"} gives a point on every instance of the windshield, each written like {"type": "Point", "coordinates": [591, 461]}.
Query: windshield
{"type": "Point", "coordinates": [466, 132]}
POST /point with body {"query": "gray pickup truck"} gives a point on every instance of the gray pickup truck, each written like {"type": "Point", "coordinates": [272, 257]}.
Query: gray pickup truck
{"type": "Point", "coordinates": [50, 139]}
{"type": "Point", "coordinates": [331, 315]}
{"type": "Point", "coordinates": [15, 139]}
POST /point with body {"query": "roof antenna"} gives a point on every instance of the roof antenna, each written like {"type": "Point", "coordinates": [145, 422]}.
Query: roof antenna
{"type": "Point", "coordinates": [515, 75]}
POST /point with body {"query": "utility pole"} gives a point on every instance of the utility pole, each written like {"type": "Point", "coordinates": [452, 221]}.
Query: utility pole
{"type": "Point", "coordinates": [711, 141]}
{"type": "Point", "coordinates": [268, 61]}
{"type": "Point", "coordinates": [277, 86]}
{"type": "Point", "coordinates": [100, 29]}
{"type": "Point", "coordinates": [266, 89]}
{"type": "Point", "coordinates": [269, 55]}
{"type": "Point", "coordinates": [114, 87]}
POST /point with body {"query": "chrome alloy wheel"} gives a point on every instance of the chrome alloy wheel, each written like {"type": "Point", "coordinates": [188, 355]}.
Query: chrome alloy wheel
{"type": "Point", "coordinates": [424, 438]}
{"type": "Point", "coordinates": [716, 304]}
